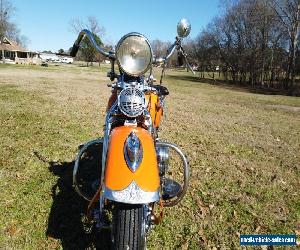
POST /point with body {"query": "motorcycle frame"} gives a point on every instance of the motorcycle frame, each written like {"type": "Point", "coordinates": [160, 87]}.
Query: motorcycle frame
{"type": "Point", "coordinates": [110, 114]}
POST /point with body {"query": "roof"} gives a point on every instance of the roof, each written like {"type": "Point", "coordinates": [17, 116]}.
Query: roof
{"type": "Point", "coordinates": [11, 46]}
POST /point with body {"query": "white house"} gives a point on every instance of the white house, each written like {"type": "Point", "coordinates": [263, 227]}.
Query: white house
{"type": "Point", "coordinates": [11, 52]}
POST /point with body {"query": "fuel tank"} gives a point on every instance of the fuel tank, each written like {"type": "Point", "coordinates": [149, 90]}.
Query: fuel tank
{"type": "Point", "coordinates": [155, 108]}
{"type": "Point", "coordinates": [118, 173]}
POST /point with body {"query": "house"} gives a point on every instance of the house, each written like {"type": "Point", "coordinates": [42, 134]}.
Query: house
{"type": "Point", "coordinates": [11, 52]}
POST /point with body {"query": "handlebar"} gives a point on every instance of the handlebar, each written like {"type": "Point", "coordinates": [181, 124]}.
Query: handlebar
{"type": "Point", "coordinates": [185, 59]}
{"type": "Point", "coordinates": [170, 51]}
{"type": "Point", "coordinates": [90, 36]}
{"type": "Point", "coordinates": [74, 50]}
{"type": "Point", "coordinates": [111, 55]}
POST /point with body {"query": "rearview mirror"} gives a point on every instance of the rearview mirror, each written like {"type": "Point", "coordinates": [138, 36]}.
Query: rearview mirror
{"type": "Point", "coordinates": [183, 28]}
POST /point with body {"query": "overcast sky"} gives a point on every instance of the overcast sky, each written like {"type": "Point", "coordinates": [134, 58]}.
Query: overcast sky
{"type": "Point", "coordinates": [46, 23]}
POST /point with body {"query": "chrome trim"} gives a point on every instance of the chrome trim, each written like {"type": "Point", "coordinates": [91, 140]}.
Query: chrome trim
{"type": "Point", "coordinates": [133, 151]}
{"type": "Point", "coordinates": [76, 166]}
{"type": "Point", "coordinates": [130, 123]}
{"type": "Point", "coordinates": [170, 51]}
{"type": "Point", "coordinates": [108, 121]}
{"type": "Point", "coordinates": [162, 155]}
{"type": "Point", "coordinates": [132, 194]}
{"type": "Point", "coordinates": [186, 174]}
{"type": "Point", "coordinates": [143, 86]}
{"type": "Point", "coordinates": [148, 121]}
{"type": "Point", "coordinates": [120, 42]}
{"type": "Point", "coordinates": [131, 102]}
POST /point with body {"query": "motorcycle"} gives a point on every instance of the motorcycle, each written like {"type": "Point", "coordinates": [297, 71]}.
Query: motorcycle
{"type": "Point", "coordinates": [133, 183]}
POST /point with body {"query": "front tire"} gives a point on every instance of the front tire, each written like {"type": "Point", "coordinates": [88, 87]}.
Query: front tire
{"type": "Point", "coordinates": [128, 227]}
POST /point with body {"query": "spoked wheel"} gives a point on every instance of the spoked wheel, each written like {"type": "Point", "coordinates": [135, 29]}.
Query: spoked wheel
{"type": "Point", "coordinates": [128, 227]}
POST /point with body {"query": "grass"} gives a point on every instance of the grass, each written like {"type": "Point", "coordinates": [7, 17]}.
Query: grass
{"type": "Point", "coordinates": [243, 149]}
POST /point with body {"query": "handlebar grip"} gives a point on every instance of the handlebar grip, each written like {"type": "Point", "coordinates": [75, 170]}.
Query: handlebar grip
{"type": "Point", "coordinates": [74, 50]}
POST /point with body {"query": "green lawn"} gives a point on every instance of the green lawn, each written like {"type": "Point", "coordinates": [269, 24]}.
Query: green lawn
{"type": "Point", "coordinates": [243, 149]}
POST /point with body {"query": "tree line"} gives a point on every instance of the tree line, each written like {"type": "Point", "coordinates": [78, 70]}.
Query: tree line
{"type": "Point", "coordinates": [254, 42]}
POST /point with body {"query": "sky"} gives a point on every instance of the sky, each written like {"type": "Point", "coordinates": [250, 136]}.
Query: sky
{"type": "Point", "coordinates": [46, 23]}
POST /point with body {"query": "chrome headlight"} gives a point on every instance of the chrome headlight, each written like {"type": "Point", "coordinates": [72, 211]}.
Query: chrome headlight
{"type": "Point", "coordinates": [131, 102]}
{"type": "Point", "coordinates": [134, 54]}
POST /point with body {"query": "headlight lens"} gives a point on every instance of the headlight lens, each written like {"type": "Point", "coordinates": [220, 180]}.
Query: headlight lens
{"type": "Point", "coordinates": [134, 54]}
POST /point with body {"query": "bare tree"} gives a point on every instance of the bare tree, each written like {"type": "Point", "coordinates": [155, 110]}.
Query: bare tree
{"type": "Point", "coordinates": [288, 14]}
{"type": "Point", "coordinates": [253, 42]}
{"type": "Point", "coordinates": [91, 23]}
{"type": "Point", "coordinates": [159, 48]}
{"type": "Point", "coordinates": [7, 27]}
{"type": "Point", "coordinates": [87, 51]}
{"type": "Point", "coordinates": [6, 10]}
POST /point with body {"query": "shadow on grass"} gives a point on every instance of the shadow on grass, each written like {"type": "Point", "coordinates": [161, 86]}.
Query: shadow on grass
{"type": "Point", "coordinates": [232, 86]}
{"type": "Point", "coordinates": [66, 220]}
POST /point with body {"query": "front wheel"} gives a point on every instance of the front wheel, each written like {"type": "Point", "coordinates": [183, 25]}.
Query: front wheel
{"type": "Point", "coordinates": [128, 227]}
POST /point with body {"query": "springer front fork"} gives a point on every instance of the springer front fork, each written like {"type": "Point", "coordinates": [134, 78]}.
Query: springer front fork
{"type": "Point", "coordinates": [103, 222]}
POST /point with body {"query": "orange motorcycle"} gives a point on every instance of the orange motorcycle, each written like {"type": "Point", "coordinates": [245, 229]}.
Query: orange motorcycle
{"type": "Point", "coordinates": [134, 185]}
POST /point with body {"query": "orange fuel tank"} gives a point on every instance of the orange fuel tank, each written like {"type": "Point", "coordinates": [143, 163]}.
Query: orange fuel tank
{"type": "Point", "coordinates": [155, 108]}
{"type": "Point", "coordinates": [118, 176]}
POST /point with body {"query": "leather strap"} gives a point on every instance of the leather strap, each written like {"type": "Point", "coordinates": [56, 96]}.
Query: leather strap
{"type": "Point", "coordinates": [158, 218]}
{"type": "Point", "coordinates": [92, 202]}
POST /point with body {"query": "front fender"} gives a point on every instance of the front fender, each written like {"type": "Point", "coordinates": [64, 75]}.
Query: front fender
{"type": "Point", "coordinates": [124, 185]}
